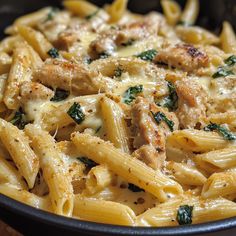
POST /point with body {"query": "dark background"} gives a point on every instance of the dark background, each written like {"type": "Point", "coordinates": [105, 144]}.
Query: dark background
{"type": "Point", "coordinates": [213, 12]}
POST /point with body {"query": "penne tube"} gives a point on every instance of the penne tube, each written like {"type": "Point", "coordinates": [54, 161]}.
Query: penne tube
{"type": "Point", "coordinates": [9, 174]}
{"type": "Point", "coordinates": [220, 185]}
{"type": "Point", "coordinates": [54, 170]}
{"type": "Point", "coordinates": [8, 44]}
{"type": "Point", "coordinates": [98, 178]}
{"type": "Point", "coordinates": [190, 13]}
{"type": "Point", "coordinates": [5, 63]}
{"type": "Point", "coordinates": [196, 35]}
{"type": "Point", "coordinates": [101, 211]}
{"type": "Point", "coordinates": [185, 174]}
{"type": "Point", "coordinates": [203, 211]}
{"type": "Point", "coordinates": [115, 126]}
{"type": "Point", "coordinates": [172, 11]}
{"type": "Point", "coordinates": [228, 40]}
{"type": "Point", "coordinates": [3, 83]}
{"type": "Point", "coordinates": [117, 10]}
{"type": "Point", "coordinates": [36, 39]}
{"type": "Point", "coordinates": [197, 140]}
{"type": "Point", "coordinates": [217, 160]}
{"type": "Point", "coordinates": [56, 116]}
{"type": "Point", "coordinates": [81, 8]}
{"type": "Point", "coordinates": [126, 166]}
{"type": "Point", "coordinates": [25, 197]}
{"type": "Point", "coordinates": [20, 71]}
{"type": "Point", "coordinates": [33, 18]}
{"type": "Point", "coordinates": [176, 154]}
{"type": "Point", "coordinates": [18, 146]}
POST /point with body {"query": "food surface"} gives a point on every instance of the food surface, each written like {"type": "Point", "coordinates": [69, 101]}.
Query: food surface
{"type": "Point", "coordinates": [119, 118]}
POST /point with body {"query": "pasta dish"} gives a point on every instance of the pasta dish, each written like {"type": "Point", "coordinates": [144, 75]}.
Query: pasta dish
{"type": "Point", "coordinates": [119, 118]}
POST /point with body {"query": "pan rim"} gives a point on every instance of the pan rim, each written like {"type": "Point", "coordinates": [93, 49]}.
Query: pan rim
{"type": "Point", "coordinates": [75, 225]}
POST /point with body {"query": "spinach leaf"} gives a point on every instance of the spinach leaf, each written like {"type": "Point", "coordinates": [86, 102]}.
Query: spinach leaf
{"type": "Point", "coordinates": [231, 61]}
{"type": "Point", "coordinates": [131, 93]}
{"type": "Point", "coordinates": [19, 119]}
{"type": "Point", "coordinates": [184, 215]}
{"type": "Point", "coordinates": [222, 130]}
{"type": "Point", "coordinates": [148, 55]}
{"type": "Point", "coordinates": [222, 72]}
{"type": "Point", "coordinates": [160, 116]}
{"type": "Point", "coordinates": [76, 113]}
{"type": "Point", "coordinates": [171, 101]}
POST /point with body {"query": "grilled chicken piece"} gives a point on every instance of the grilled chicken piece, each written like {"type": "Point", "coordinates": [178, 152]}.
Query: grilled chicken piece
{"type": "Point", "coordinates": [183, 56]}
{"type": "Point", "coordinates": [34, 91]}
{"type": "Point", "coordinates": [108, 40]}
{"type": "Point", "coordinates": [149, 137]}
{"type": "Point", "coordinates": [56, 23]}
{"type": "Point", "coordinates": [150, 156]}
{"type": "Point", "coordinates": [192, 100]}
{"type": "Point", "coordinates": [68, 76]}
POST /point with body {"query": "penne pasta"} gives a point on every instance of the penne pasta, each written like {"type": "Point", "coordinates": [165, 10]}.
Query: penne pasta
{"type": "Point", "coordinates": [190, 13]}
{"type": "Point", "coordinates": [18, 146]}
{"type": "Point", "coordinates": [185, 174]}
{"type": "Point", "coordinates": [116, 10]}
{"type": "Point", "coordinates": [197, 141]}
{"type": "Point", "coordinates": [171, 10]}
{"type": "Point", "coordinates": [115, 127]}
{"type": "Point", "coordinates": [55, 173]}
{"type": "Point", "coordinates": [103, 211]}
{"type": "Point", "coordinates": [80, 7]}
{"type": "Point", "coordinates": [203, 211]}
{"type": "Point", "coordinates": [228, 40]}
{"type": "Point", "coordinates": [98, 178]}
{"type": "Point", "coordinates": [25, 197]}
{"type": "Point", "coordinates": [56, 116]}
{"type": "Point", "coordinates": [218, 160]}
{"type": "Point", "coordinates": [37, 40]}
{"type": "Point", "coordinates": [127, 167]}
{"type": "Point", "coordinates": [9, 174]}
{"type": "Point", "coordinates": [20, 71]}
{"type": "Point", "coordinates": [219, 184]}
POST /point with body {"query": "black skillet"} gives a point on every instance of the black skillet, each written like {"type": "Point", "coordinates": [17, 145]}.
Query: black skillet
{"type": "Point", "coordinates": [34, 222]}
